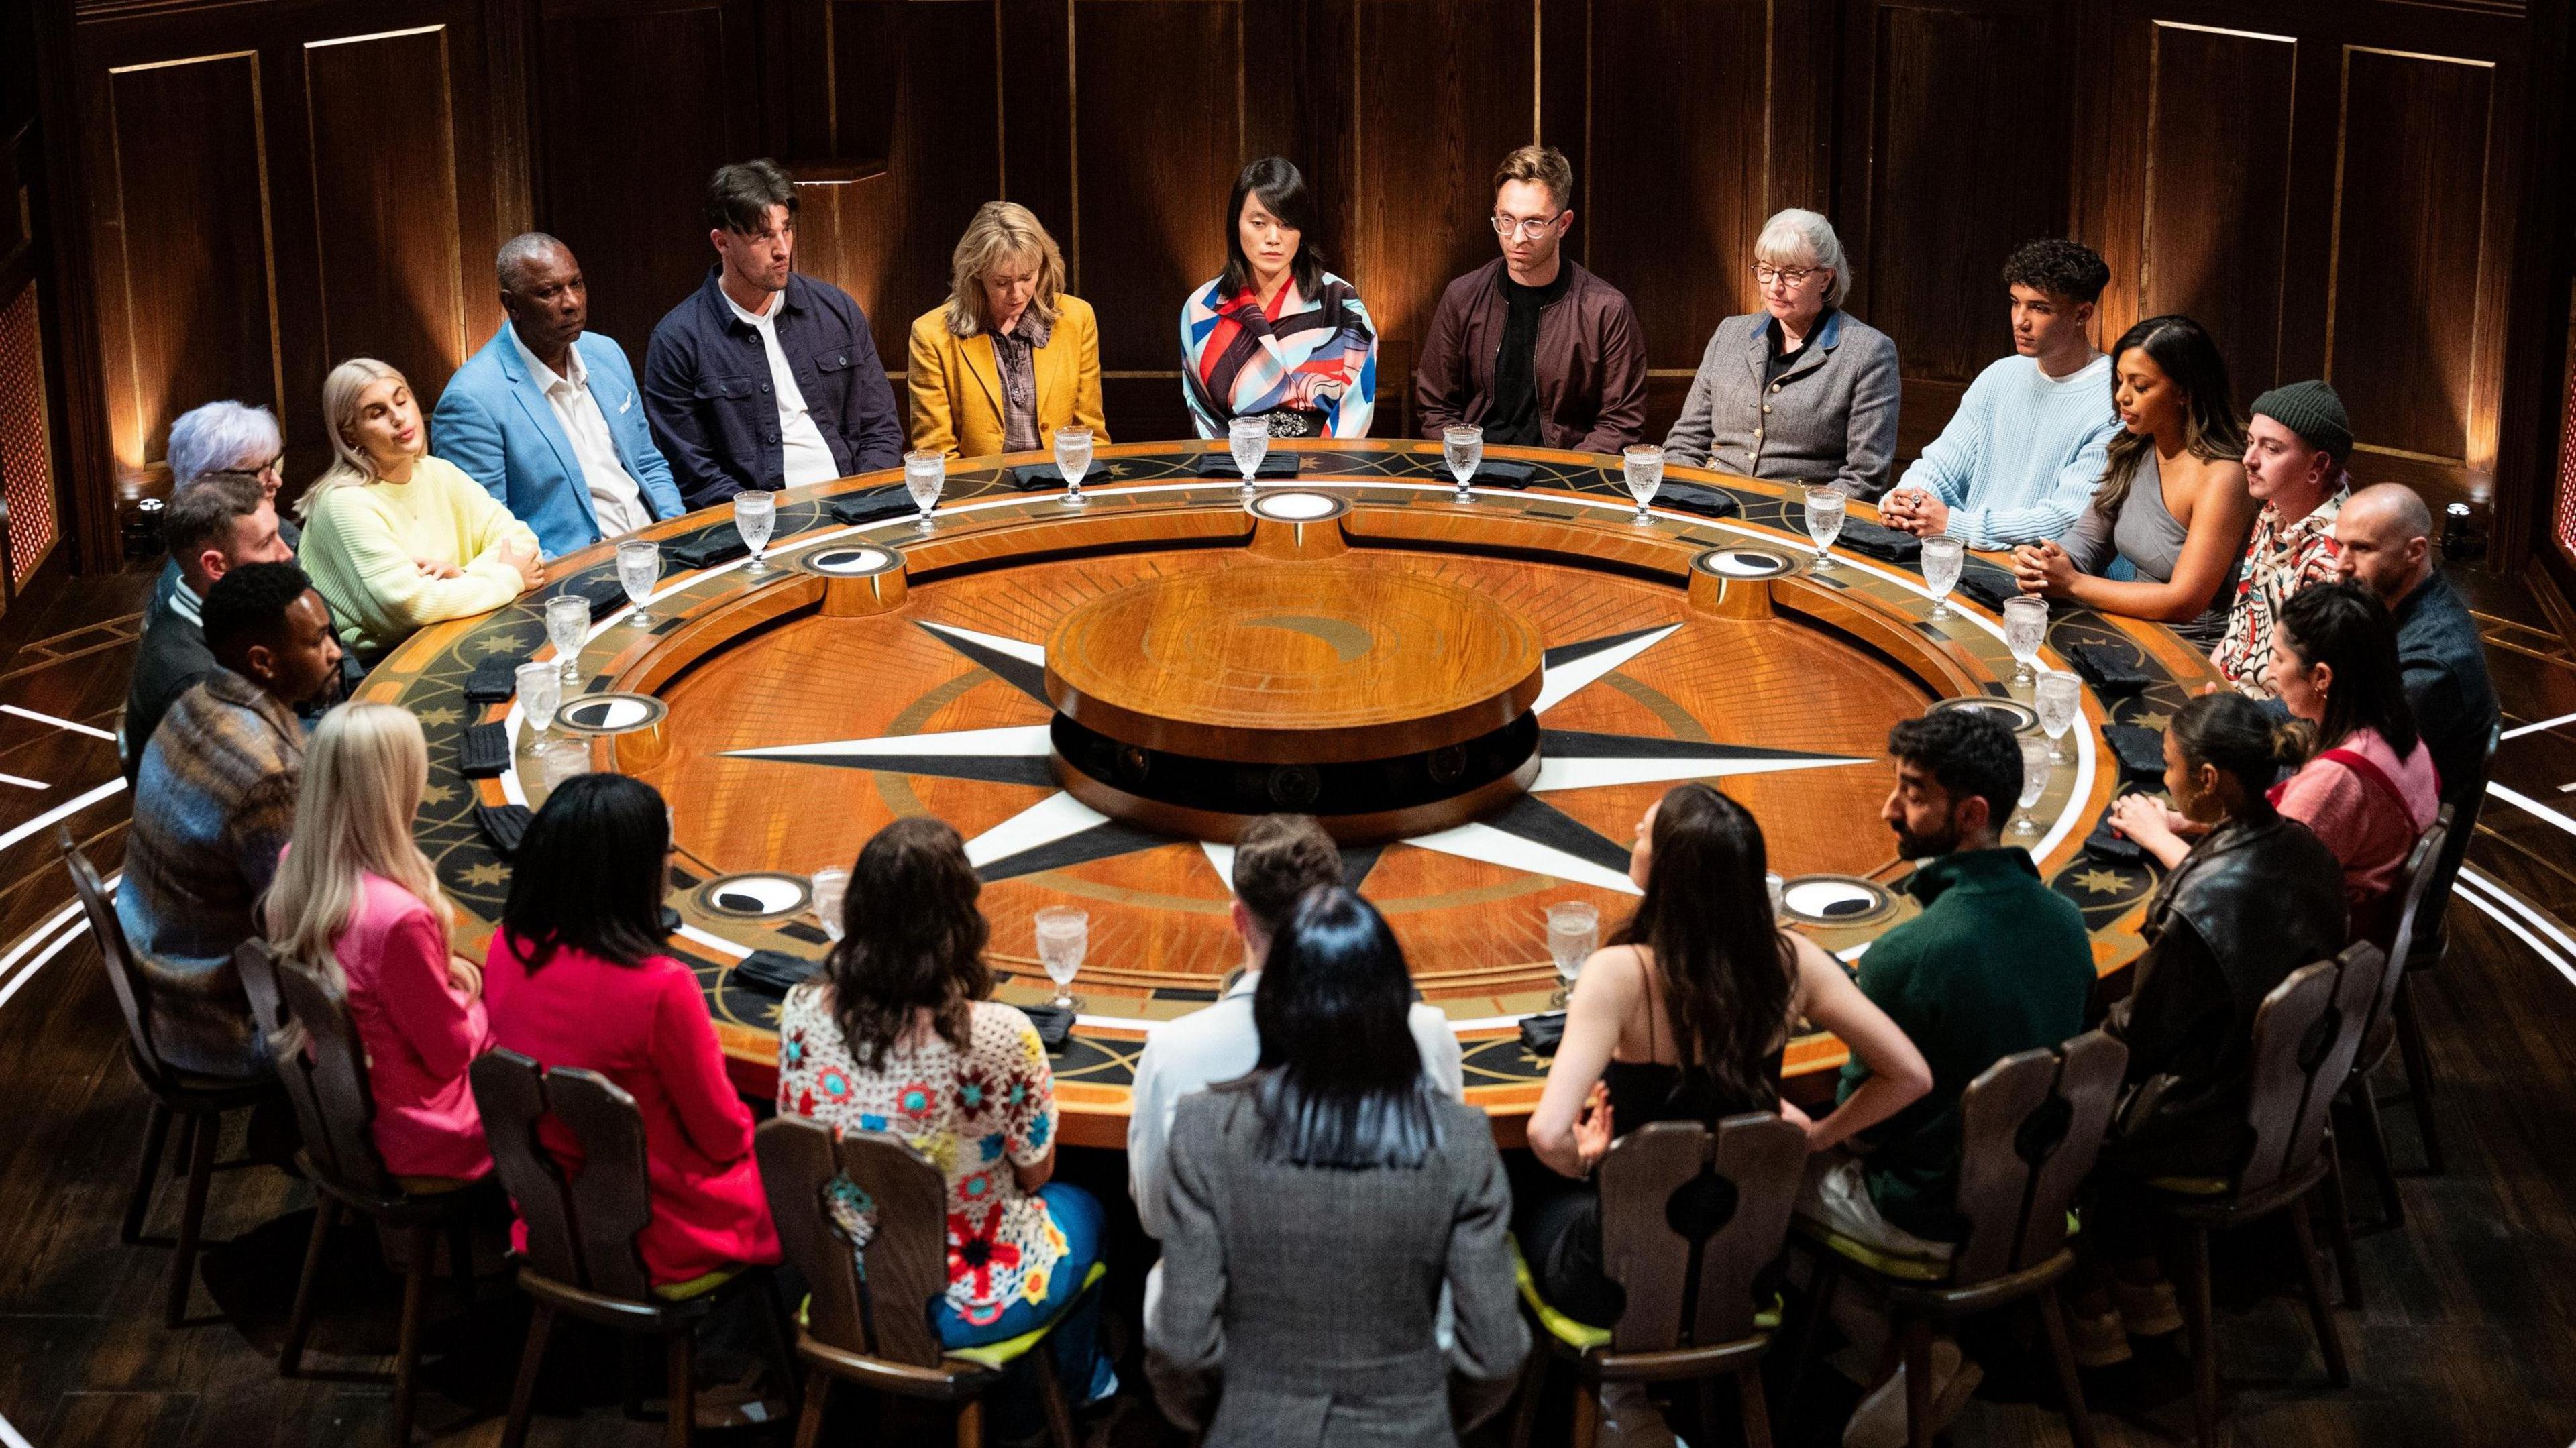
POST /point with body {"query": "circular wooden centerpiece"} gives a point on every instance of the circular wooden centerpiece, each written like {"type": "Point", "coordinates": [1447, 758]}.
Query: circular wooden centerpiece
{"type": "Point", "coordinates": [1298, 664]}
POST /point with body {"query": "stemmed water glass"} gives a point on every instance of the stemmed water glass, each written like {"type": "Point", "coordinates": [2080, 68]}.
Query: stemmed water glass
{"type": "Point", "coordinates": [1073, 459]}
{"type": "Point", "coordinates": [1943, 558]}
{"type": "Point", "coordinates": [639, 572]}
{"type": "Point", "coordinates": [1248, 438]}
{"type": "Point", "coordinates": [540, 694]}
{"type": "Point", "coordinates": [1063, 934]}
{"type": "Point", "coordinates": [830, 888]}
{"type": "Point", "coordinates": [1573, 933]}
{"type": "Point", "coordinates": [755, 513]}
{"type": "Point", "coordinates": [2034, 783]}
{"type": "Point", "coordinates": [1775, 885]}
{"type": "Point", "coordinates": [1825, 508]}
{"type": "Point", "coordinates": [2056, 697]}
{"type": "Point", "coordinates": [567, 627]}
{"type": "Point", "coordinates": [924, 474]}
{"type": "Point", "coordinates": [2025, 629]}
{"type": "Point", "coordinates": [1463, 449]}
{"type": "Point", "coordinates": [1644, 468]}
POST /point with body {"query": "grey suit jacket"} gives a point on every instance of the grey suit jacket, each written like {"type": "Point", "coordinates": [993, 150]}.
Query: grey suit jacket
{"type": "Point", "coordinates": [1298, 1302]}
{"type": "Point", "coordinates": [1831, 418]}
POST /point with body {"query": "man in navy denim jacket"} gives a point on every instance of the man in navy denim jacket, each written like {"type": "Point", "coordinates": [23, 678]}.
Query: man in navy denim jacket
{"type": "Point", "coordinates": [765, 379]}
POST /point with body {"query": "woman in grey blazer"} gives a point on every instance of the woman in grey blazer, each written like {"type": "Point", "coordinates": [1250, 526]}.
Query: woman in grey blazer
{"type": "Point", "coordinates": [1800, 391]}
{"type": "Point", "coordinates": [1316, 1209]}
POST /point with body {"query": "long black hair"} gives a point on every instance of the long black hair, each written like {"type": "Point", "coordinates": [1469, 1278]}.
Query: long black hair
{"type": "Point", "coordinates": [2211, 428]}
{"type": "Point", "coordinates": [2345, 625]}
{"type": "Point", "coordinates": [1344, 1086]}
{"type": "Point", "coordinates": [912, 940]}
{"type": "Point", "coordinates": [1726, 970]}
{"type": "Point", "coordinates": [588, 875]}
{"type": "Point", "coordinates": [1284, 194]}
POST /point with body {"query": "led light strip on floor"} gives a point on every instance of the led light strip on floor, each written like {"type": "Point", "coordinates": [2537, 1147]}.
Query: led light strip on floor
{"type": "Point", "coordinates": [2546, 937]}
{"type": "Point", "coordinates": [66, 926]}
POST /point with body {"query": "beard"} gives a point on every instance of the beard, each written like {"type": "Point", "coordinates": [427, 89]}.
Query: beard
{"type": "Point", "coordinates": [1911, 846]}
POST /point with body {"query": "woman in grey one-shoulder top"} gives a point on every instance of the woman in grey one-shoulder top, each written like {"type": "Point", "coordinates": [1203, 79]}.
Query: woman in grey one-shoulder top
{"type": "Point", "coordinates": [2148, 538]}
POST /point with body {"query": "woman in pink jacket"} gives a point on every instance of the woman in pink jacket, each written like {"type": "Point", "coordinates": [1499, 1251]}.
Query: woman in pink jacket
{"type": "Point", "coordinates": [355, 896]}
{"type": "Point", "coordinates": [577, 976]}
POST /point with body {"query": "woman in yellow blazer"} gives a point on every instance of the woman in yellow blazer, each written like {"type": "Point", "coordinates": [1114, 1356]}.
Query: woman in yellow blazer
{"type": "Point", "coordinates": [1009, 358]}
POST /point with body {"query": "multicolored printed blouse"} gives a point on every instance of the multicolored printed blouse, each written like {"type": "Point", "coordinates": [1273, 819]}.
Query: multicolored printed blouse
{"type": "Point", "coordinates": [974, 1115]}
{"type": "Point", "coordinates": [1308, 365]}
{"type": "Point", "coordinates": [2280, 559]}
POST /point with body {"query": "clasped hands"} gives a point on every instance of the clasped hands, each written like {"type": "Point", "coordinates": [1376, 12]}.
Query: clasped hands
{"type": "Point", "coordinates": [520, 555]}
{"type": "Point", "coordinates": [1915, 510]}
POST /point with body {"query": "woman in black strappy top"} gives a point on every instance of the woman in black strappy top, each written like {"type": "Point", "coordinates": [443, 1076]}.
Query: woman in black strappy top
{"type": "Point", "coordinates": [1683, 1017]}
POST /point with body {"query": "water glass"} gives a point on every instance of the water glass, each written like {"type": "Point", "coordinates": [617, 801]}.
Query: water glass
{"type": "Point", "coordinates": [1825, 510]}
{"type": "Point", "coordinates": [2034, 783]}
{"type": "Point", "coordinates": [755, 513]}
{"type": "Point", "coordinates": [830, 887]}
{"type": "Point", "coordinates": [540, 694]}
{"type": "Point", "coordinates": [567, 627]}
{"type": "Point", "coordinates": [1063, 934]}
{"type": "Point", "coordinates": [1463, 449]}
{"type": "Point", "coordinates": [1644, 467]}
{"type": "Point", "coordinates": [639, 572]}
{"type": "Point", "coordinates": [2025, 630]}
{"type": "Point", "coordinates": [1073, 459]}
{"type": "Point", "coordinates": [2057, 696]}
{"type": "Point", "coordinates": [1573, 933]}
{"type": "Point", "coordinates": [1777, 888]}
{"type": "Point", "coordinates": [1248, 438]}
{"type": "Point", "coordinates": [924, 474]}
{"type": "Point", "coordinates": [1943, 558]}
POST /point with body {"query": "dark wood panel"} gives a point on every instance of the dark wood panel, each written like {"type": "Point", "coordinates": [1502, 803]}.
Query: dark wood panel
{"type": "Point", "coordinates": [2408, 253]}
{"type": "Point", "coordinates": [2216, 197]}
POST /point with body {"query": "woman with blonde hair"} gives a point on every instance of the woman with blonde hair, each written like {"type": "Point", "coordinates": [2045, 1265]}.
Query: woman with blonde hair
{"type": "Point", "coordinates": [396, 539]}
{"type": "Point", "coordinates": [1009, 357]}
{"type": "Point", "coordinates": [357, 899]}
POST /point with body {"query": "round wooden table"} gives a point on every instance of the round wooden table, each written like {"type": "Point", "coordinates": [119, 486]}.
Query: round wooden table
{"type": "Point", "coordinates": [1479, 698]}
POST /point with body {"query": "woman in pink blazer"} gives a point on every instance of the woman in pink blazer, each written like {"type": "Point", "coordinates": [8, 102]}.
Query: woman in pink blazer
{"type": "Point", "coordinates": [356, 896]}
{"type": "Point", "coordinates": [577, 976]}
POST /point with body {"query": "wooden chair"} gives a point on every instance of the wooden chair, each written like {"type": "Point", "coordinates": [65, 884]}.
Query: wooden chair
{"type": "Point", "coordinates": [2305, 1037]}
{"type": "Point", "coordinates": [1689, 1219]}
{"type": "Point", "coordinates": [2360, 1106]}
{"type": "Point", "coordinates": [866, 1323]}
{"type": "Point", "coordinates": [2432, 941]}
{"type": "Point", "coordinates": [335, 1107]}
{"type": "Point", "coordinates": [198, 1102]}
{"type": "Point", "coordinates": [2030, 1126]}
{"type": "Point", "coordinates": [581, 1256]}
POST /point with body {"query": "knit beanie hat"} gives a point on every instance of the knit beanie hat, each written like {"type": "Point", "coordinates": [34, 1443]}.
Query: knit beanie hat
{"type": "Point", "coordinates": [2313, 411]}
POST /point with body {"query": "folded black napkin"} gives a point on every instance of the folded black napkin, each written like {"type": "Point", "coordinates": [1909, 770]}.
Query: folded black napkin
{"type": "Point", "coordinates": [1887, 543]}
{"type": "Point", "coordinates": [670, 921]}
{"type": "Point", "coordinates": [719, 544]}
{"type": "Point", "coordinates": [1989, 586]}
{"type": "Point", "coordinates": [1218, 463]}
{"type": "Point", "coordinates": [2110, 846]}
{"type": "Point", "coordinates": [494, 679]}
{"type": "Point", "coordinates": [2141, 751]}
{"type": "Point", "coordinates": [504, 825]}
{"type": "Point", "coordinates": [775, 972]}
{"type": "Point", "coordinates": [601, 591]}
{"type": "Point", "coordinates": [1054, 1023]}
{"type": "Point", "coordinates": [1540, 1034]}
{"type": "Point", "coordinates": [484, 752]}
{"type": "Point", "coordinates": [1692, 498]}
{"type": "Point", "coordinates": [868, 505]}
{"type": "Point", "coordinates": [1498, 473]}
{"type": "Point", "coordinates": [1035, 477]}
{"type": "Point", "coordinates": [2107, 669]}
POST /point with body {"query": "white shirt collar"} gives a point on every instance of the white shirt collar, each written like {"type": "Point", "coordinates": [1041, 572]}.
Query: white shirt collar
{"type": "Point", "coordinates": [750, 318]}
{"type": "Point", "coordinates": [546, 377]}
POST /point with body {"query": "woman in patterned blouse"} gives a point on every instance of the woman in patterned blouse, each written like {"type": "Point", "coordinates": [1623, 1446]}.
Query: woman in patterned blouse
{"type": "Point", "coordinates": [898, 1036]}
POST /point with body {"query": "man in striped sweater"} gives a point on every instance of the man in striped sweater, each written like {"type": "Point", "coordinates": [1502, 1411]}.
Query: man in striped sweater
{"type": "Point", "coordinates": [2021, 457]}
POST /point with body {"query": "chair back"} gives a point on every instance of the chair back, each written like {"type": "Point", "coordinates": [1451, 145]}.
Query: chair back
{"type": "Point", "coordinates": [114, 954]}
{"type": "Point", "coordinates": [581, 1225]}
{"type": "Point", "coordinates": [871, 1295]}
{"type": "Point", "coordinates": [326, 1078]}
{"type": "Point", "coordinates": [2431, 937]}
{"type": "Point", "coordinates": [2029, 1127]}
{"type": "Point", "coordinates": [1689, 1217]}
{"type": "Point", "coordinates": [2415, 886]}
{"type": "Point", "coordinates": [2305, 1037]}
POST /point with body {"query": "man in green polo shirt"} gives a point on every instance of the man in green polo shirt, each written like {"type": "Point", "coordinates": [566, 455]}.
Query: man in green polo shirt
{"type": "Point", "coordinates": [1997, 963]}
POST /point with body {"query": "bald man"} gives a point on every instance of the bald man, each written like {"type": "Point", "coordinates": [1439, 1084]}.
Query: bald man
{"type": "Point", "coordinates": [2384, 537]}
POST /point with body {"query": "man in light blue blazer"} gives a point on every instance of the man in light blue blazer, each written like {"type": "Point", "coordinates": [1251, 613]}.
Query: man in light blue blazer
{"type": "Point", "coordinates": [549, 419]}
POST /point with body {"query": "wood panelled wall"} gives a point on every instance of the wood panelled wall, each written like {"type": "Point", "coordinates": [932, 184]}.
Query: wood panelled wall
{"type": "Point", "coordinates": [2363, 189]}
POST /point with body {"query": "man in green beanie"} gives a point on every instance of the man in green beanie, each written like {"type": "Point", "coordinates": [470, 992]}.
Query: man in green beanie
{"type": "Point", "coordinates": [2294, 453]}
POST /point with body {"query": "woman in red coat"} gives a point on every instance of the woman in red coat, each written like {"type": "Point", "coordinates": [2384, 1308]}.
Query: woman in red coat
{"type": "Point", "coordinates": [577, 977]}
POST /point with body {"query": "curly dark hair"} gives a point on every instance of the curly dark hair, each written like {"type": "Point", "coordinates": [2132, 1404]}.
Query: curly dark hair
{"type": "Point", "coordinates": [1969, 751]}
{"type": "Point", "coordinates": [2059, 267]}
{"type": "Point", "coordinates": [911, 940]}
{"type": "Point", "coordinates": [248, 605]}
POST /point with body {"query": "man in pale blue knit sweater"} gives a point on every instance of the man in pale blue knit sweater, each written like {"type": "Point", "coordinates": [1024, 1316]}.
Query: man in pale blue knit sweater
{"type": "Point", "coordinates": [2020, 459]}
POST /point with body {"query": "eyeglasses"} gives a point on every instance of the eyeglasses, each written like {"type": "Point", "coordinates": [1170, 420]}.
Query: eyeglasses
{"type": "Point", "coordinates": [1530, 229]}
{"type": "Point", "coordinates": [1793, 276]}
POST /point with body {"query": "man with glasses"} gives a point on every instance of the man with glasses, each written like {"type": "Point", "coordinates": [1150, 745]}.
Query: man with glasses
{"type": "Point", "coordinates": [1530, 346]}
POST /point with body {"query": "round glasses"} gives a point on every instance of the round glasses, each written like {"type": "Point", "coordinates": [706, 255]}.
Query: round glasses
{"type": "Point", "coordinates": [1766, 274]}
{"type": "Point", "coordinates": [1527, 229]}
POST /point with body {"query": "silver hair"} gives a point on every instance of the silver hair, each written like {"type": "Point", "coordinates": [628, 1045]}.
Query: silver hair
{"type": "Point", "coordinates": [220, 436]}
{"type": "Point", "coordinates": [1797, 237]}
{"type": "Point", "coordinates": [522, 251]}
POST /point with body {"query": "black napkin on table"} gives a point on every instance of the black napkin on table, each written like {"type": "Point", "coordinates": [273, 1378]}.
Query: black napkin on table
{"type": "Point", "coordinates": [601, 591]}
{"type": "Point", "coordinates": [2141, 751]}
{"type": "Point", "coordinates": [2109, 846]}
{"type": "Point", "coordinates": [870, 505]}
{"type": "Point", "coordinates": [719, 544]}
{"type": "Point", "coordinates": [1989, 586]}
{"type": "Point", "coordinates": [1035, 477]}
{"type": "Point", "coordinates": [1499, 473]}
{"type": "Point", "coordinates": [1692, 498]}
{"type": "Point", "coordinates": [494, 679]}
{"type": "Point", "coordinates": [504, 825]}
{"type": "Point", "coordinates": [484, 752]}
{"type": "Point", "coordinates": [1887, 543]}
{"type": "Point", "coordinates": [1540, 1034]}
{"type": "Point", "coordinates": [1218, 463]}
{"type": "Point", "coordinates": [2105, 669]}
{"type": "Point", "coordinates": [775, 972]}
{"type": "Point", "coordinates": [1054, 1023]}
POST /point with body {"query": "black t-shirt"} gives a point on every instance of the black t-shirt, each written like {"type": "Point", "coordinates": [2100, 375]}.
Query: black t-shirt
{"type": "Point", "coordinates": [1513, 418]}
{"type": "Point", "coordinates": [1781, 361]}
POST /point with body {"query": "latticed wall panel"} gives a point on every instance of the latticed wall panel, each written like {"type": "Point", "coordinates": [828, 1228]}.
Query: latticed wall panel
{"type": "Point", "coordinates": [26, 458]}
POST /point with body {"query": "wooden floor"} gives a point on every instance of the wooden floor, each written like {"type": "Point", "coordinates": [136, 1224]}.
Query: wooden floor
{"type": "Point", "coordinates": [2469, 1336]}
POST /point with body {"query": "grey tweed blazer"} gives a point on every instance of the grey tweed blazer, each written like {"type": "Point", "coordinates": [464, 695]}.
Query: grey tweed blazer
{"type": "Point", "coordinates": [1831, 418]}
{"type": "Point", "coordinates": [1298, 1302]}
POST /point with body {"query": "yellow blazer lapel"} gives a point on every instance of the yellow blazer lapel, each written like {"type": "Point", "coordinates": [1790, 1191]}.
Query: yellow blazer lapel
{"type": "Point", "coordinates": [1054, 367]}
{"type": "Point", "coordinates": [978, 351]}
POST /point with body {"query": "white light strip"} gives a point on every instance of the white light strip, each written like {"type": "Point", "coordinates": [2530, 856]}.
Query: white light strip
{"type": "Point", "coordinates": [108, 734]}
{"type": "Point", "coordinates": [2512, 797]}
{"type": "Point", "coordinates": [23, 782]}
{"type": "Point", "coordinates": [70, 933]}
{"type": "Point", "coordinates": [56, 932]}
{"type": "Point", "coordinates": [10, 1436]}
{"type": "Point", "coordinates": [715, 942]}
{"type": "Point", "coordinates": [2514, 733]}
{"type": "Point", "coordinates": [60, 811]}
{"type": "Point", "coordinates": [2510, 923]}
{"type": "Point", "coordinates": [2488, 886]}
